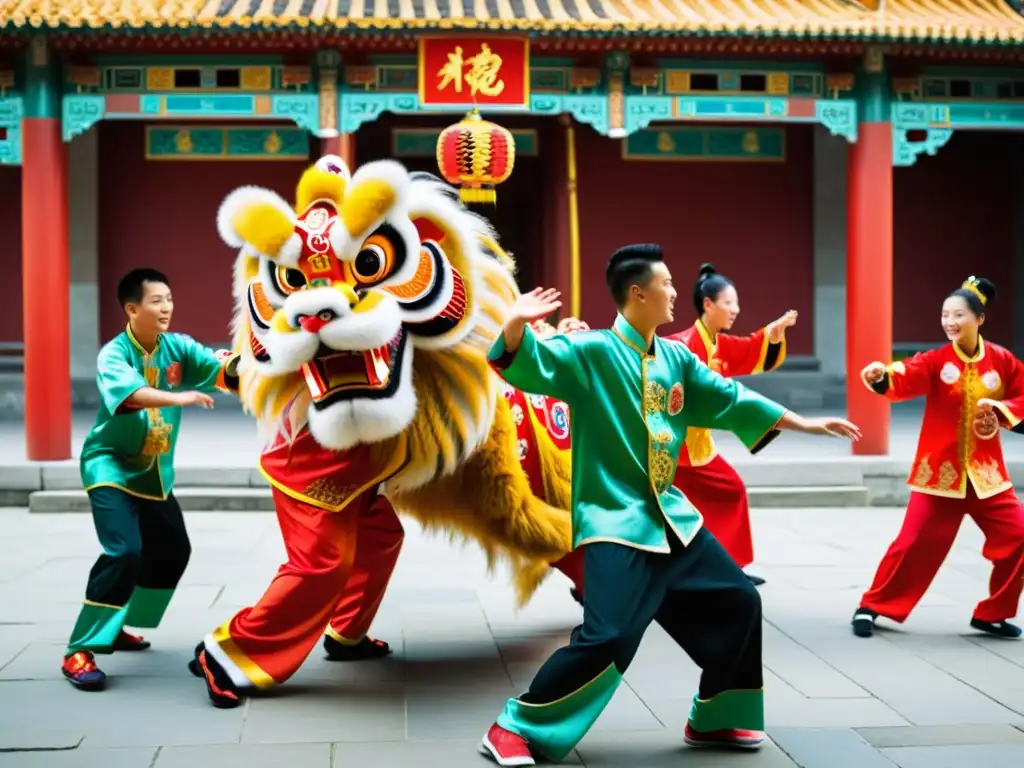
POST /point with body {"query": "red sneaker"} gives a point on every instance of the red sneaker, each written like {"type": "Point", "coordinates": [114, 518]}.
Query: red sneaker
{"type": "Point", "coordinates": [81, 671]}
{"type": "Point", "coordinates": [730, 738]}
{"type": "Point", "coordinates": [505, 747]}
{"type": "Point", "coordinates": [128, 642]}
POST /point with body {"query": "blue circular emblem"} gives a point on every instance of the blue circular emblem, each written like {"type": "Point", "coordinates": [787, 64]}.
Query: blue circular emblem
{"type": "Point", "coordinates": [559, 422]}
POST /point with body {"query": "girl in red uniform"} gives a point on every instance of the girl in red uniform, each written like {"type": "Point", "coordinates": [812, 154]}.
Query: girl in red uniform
{"type": "Point", "coordinates": [707, 479]}
{"type": "Point", "coordinates": [971, 389]}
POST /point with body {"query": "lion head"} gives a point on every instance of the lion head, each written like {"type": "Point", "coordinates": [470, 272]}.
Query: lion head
{"type": "Point", "coordinates": [371, 287]}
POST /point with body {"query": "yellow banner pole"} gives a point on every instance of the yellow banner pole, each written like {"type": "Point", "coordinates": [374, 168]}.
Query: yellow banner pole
{"type": "Point", "coordinates": [575, 296]}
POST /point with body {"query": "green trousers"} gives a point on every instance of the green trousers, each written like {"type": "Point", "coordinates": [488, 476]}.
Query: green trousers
{"type": "Point", "coordinates": [145, 552]}
{"type": "Point", "coordinates": [697, 594]}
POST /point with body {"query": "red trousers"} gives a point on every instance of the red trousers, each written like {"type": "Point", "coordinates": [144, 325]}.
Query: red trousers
{"type": "Point", "coordinates": [717, 491]}
{"type": "Point", "coordinates": [339, 565]}
{"type": "Point", "coordinates": [929, 528]}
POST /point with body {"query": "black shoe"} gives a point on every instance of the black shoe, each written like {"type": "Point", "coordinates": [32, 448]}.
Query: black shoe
{"type": "Point", "coordinates": [575, 594]}
{"type": "Point", "coordinates": [193, 665]}
{"type": "Point", "coordinates": [364, 650]}
{"type": "Point", "coordinates": [998, 628]}
{"type": "Point", "coordinates": [864, 622]}
{"type": "Point", "coordinates": [757, 581]}
{"type": "Point", "coordinates": [222, 692]}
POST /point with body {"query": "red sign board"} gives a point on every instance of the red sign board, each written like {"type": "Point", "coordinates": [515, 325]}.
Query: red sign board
{"type": "Point", "coordinates": [474, 70]}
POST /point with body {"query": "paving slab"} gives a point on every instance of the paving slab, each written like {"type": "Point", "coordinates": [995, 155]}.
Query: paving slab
{"type": "Point", "coordinates": [928, 692]}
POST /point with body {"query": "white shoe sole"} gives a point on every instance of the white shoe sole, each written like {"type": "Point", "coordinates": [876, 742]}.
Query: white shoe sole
{"type": "Point", "coordinates": [486, 748]}
{"type": "Point", "coordinates": [749, 744]}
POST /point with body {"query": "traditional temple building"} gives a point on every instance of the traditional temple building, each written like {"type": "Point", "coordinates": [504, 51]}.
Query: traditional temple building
{"type": "Point", "coordinates": [851, 160]}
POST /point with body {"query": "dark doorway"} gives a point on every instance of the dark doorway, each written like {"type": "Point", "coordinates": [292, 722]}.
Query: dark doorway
{"type": "Point", "coordinates": [518, 215]}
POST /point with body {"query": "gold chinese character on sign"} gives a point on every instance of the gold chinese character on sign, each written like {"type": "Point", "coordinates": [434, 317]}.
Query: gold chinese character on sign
{"type": "Point", "coordinates": [483, 75]}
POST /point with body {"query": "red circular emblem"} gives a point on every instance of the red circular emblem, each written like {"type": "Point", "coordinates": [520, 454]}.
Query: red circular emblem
{"type": "Point", "coordinates": [173, 375]}
{"type": "Point", "coordinates": [675, 399]}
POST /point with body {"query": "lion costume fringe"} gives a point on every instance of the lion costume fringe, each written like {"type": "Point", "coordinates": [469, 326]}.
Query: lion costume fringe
{"type": "Point", "coordinates": [363, 319]}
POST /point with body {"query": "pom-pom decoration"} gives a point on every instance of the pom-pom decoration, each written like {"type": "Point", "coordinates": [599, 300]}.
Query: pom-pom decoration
{"type": "Point", "coordinates": [476, 155]}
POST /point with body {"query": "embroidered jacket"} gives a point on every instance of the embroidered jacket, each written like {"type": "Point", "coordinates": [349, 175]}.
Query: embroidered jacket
{"type": "Point", "coordinates": [631, 407]}
{"type": "Point", "coordinates": [729, 356]}
{"type": "Point", "coordinates": [133, 448]}
{"type": "Point", "coordinates": [950, 450]}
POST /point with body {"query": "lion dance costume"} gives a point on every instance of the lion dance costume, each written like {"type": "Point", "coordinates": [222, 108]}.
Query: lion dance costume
{"type": "Point", "coordinates": [363, 320]}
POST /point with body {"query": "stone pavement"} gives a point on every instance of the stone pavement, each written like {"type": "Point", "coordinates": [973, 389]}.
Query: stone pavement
{"type": "Point", "coordinates": [927, 694]}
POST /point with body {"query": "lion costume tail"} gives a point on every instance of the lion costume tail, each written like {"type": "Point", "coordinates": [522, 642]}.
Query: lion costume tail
{"type": "Point", "coordinates": [488, 500]}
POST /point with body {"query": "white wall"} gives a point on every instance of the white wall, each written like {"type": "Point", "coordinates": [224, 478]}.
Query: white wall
{"type": "Point", "coordinates": [830, 154]}
{"type": "Point", "coordinates": [83, 208]}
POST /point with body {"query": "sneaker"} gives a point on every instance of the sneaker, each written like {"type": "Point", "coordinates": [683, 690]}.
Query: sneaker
{"type": "Point", "coordinates": [757, 581]}
{"type": "Point", "coordinates": [863, 622]}
{"type": "Point", "coordinates": [730, 738]}
{"type": "Point", "coordinates": [365, 649]}
{"type": "Point", "coordinates": [1002, 629]}
{"type": "Point", "coordinates": [505, 747]}
{"type": "Point", "coordinates": [222, 693]}
{"type": "Point", "coordinates": [129, 642]}
{"type": "Point", "coordinates": [81, 671]}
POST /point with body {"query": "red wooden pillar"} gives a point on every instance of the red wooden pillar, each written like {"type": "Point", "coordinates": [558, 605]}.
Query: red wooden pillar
{"type": "Point", "coordinates": [869, 266]}
{"type": "Point", "coordinates": [45, 262]}
{"type": "Point", "coordinates": [344, 146]}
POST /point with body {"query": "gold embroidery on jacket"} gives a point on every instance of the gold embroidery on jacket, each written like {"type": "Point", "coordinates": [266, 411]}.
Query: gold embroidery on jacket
{"type": "Point", "coordinates": [325, 491]}
{"type": "Point", "coordinates": [654, 397]}
{"type": "Point", "coordinates": [924, 473]}
{"type": "Point", "coordinates": [987, 475]}
{"type": "Point", "coordinates": [662, 467]}
{"type": "Point", "coordinates": [948, 476]}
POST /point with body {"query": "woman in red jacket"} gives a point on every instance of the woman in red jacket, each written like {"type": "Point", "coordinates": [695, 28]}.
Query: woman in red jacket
{"type": "Point", "coordinates": [971, 389]}
{"type": "Point", "coordinates": [707, 479]}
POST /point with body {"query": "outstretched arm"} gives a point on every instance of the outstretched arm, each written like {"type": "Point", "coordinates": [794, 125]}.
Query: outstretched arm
{"type": "Point", "coordinates": [544, 367]}
{"type": "Point", "coordinates": [209, 370]}
{"type": "Point", "coordinates": [902, 380]}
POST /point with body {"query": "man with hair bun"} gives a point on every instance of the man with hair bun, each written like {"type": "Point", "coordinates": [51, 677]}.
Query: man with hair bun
{"type": "Point", "coordinates": [971, 388]}
{"type": "Point", "coordinates": [646, 556]}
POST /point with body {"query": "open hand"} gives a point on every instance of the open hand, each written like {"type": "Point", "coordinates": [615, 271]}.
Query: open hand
{"type": "Point", "coordinates": [777, 328]}
{"type": "Point", "coordinates": [829, 425]}
{"type": "Point", "coordinates": [197, 398]}
{"type": "Point", "coordinates": [535, 305]}
{"type": "Point", "coordinates": [873, 372]}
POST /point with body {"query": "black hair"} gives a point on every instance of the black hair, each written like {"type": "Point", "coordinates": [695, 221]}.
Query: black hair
{"type": "Point", "coordinates": [709, 284]}
{"type": "Point", "coordinates": [132, 286]}
{"type": "Point", "coordinates": [987, 289]}
{"type": "Point", "coordinates": [628, 266]}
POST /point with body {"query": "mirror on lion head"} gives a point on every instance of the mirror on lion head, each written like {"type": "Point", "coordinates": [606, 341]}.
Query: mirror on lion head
{"type": "Point", "coordinates": [336, 293]}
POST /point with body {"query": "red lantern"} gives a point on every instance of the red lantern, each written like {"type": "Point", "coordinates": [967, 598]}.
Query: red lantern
{"type": "Point", "coordinates": [476, 155]}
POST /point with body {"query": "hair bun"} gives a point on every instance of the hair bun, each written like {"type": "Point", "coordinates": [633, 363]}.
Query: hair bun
{"type": "Point", "coordinates": [707, 269]}
{"type": "Point", "coordinates": [988, 288]}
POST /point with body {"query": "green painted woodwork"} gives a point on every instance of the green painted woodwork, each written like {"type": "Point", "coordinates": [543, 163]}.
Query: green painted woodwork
{"type": "Point", "coordinates": [874, 94]}
{"type": "Point", "coordinates": [41, 93]}
{"type": "Point", "coordinates": [203, 142]}
{"type": "Point", "coordinates": [11, 113]}
{"type": "Point", "coordinates": [422, 142]}
{"type": "Point", "coordinates": [754, 79]}
{"type": "Point", "coordinates": [702, 144]}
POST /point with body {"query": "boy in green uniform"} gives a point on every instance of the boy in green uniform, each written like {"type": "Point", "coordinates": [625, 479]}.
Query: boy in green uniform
{"type": "Point", "coordinates": [646, 556]}
{"type": "Point", "coordinates": [144, 375]}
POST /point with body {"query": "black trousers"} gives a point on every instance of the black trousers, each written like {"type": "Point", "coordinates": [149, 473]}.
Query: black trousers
{"type": "Point", "coordinates": [145, 552]}
{"type": "Point", "coordinates": [699, 596]}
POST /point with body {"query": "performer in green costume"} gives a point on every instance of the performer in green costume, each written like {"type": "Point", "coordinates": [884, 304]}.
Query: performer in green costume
{"type": "Point", "coordinates": [646, 556]}
{"type": "Point", "coordinates": [144, 375]}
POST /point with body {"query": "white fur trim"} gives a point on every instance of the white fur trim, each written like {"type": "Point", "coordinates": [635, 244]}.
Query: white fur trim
{"type": "Point", "coordinates": [290, 252]}
{"type": "Point", "coordinates": [323, 163]}
{"type": "Point", "coordinates": [237, 200]}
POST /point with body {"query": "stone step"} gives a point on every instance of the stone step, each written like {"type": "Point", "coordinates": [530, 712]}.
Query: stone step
{"type": "Point", "coordinates": [213, 499]}
{"type": "Point", "coordinates": [810, 496]}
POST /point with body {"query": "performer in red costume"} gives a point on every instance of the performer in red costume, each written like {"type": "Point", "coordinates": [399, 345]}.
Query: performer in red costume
{"type": "Point", "coordinates": [971, 389]}
{"type": "Point", "coordinates": [707, 479]}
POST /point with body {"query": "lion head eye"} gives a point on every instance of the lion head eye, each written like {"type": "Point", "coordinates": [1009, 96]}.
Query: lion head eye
{"type": "Point", "coordinates": [375, 261]}
{"type": "Point", "coordinates": [289, 280]}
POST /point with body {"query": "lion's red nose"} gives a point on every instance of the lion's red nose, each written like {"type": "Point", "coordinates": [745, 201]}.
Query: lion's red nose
{"type": "Point", "coordinates": [313, 323]}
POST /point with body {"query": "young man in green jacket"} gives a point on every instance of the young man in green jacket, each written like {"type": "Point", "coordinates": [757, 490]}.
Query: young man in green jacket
{"type": "Point", "coordinates": [144, 375]}
{"type": "Point", "coordinates": [646, 556]}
